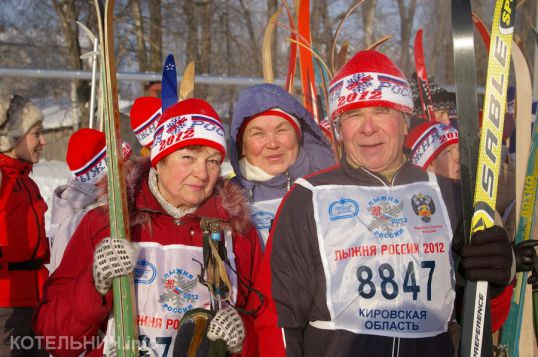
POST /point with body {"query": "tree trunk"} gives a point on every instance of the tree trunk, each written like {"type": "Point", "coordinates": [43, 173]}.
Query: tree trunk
{"type": "Point", "coordinates": [406, 25]}
{"type": "Point", "coordinates": [79, 89]}
{"type": "Point", "coordinates": [141, 55]}
{"type": "Point", "coordinates": [191, 48]}
{"type": "Point", "coordinates": [204, 55]}
{"type": "Point", "coordinates": [155, 36]}
{"type": "Point", "coordinates": [272, 6]}
{"type": "Point", "coordinates": [252, 36]}
{"type": "Point", "coordinates": [440, 38]}
{"type": "Point", "coordinates": [368, 14]}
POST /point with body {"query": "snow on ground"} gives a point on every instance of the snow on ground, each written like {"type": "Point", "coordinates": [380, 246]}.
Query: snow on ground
{"type": "Point", "coordinates": [50, 174]}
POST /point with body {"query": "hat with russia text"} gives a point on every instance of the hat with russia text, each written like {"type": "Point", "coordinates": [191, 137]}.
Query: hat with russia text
{"type": "Point", "coordinates": [189, 122]}
{"type": "Point", "coordinates": [427, 140]}
{"type": "Point", "coordinates": [369, 79]}
{"type": "Point", "coordinates": [86, 153]}
{"type": "Point", "coordinates": [145, 114]}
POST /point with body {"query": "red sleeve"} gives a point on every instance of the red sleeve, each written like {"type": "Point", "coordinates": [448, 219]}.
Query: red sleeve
{"type": "Point", "coordinates": [71, 307]}
{"type": "Point", "coordinates": [270, 336]}
{"type": "Point", "coordinates": [500, 307]}
{"type": "Point", "coordinates": [248, 256]}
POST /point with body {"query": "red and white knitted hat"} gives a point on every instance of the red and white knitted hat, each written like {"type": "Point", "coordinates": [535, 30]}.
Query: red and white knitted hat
{"type": "Point", "coordinates": [145, 114]}
{"type": "Point", "coordinates": [369, 79]}
{"type": "Point", "coordinates": [86, 153]}
{"type": "Point", "coordinates": [189, 122]}
{"type": "Point", "coordinates": [427, 140]}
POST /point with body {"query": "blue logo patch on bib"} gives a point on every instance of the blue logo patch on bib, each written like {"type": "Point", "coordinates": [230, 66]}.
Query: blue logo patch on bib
{"type": "Point", "coordinates": [343, 208]}
{"type": "Point", "coordinates": [144, 272]}
{"type": "Point", "coordinates": [178, 296]}
{"type": "Point", "coordinates": [262, 220]}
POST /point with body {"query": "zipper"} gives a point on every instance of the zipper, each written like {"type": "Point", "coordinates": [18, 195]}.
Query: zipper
{"type": "Point", "coordinates": [39, 228]}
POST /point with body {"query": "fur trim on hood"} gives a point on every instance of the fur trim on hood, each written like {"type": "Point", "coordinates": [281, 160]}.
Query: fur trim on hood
{"type": "Point", "coordinates": [227, 203]}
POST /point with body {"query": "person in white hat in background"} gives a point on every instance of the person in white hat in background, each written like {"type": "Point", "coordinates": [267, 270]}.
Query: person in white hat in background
{"type": "Point", "coordinates": [23, 244]}
{"type": "Point", "coordinates": [179, 208]}
{"type": "Point", "coordinates": [362, 259]}
{"type": "Point", "coordinates": [86, 159]}
{"type": "Point", "coordinates": [145, 114]}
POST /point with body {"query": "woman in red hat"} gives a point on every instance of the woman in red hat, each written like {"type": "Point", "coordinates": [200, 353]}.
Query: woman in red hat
{"type": "Point", "coordinates": [180, 210]}
{"type": "Point", "coordinates": [23, 244]}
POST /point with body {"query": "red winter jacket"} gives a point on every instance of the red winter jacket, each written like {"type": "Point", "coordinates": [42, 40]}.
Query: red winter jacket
{"type": "Point", "coordinates": [23, 244]}
{"type": "Point", "coordinates": [71, 305]}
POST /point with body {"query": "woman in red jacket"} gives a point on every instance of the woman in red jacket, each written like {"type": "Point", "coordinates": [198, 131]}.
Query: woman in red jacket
{"type": "Point", "coordinates": [23, 244]}
{"type": "Point", "coordinates": [172, 201]}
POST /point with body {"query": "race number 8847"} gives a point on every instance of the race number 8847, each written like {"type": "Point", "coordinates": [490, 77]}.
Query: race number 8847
{"type": "Point", "coordinates": [389, 287]}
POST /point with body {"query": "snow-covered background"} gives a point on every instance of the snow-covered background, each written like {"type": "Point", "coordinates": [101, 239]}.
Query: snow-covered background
{"type": "Point", "coordinates": [50, 174]}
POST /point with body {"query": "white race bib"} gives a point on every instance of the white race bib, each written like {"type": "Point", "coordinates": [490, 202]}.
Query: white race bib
{"type": "Point", "coordinates": [166, 287]}
{"type": "Point", "coordinates": [386, 253]}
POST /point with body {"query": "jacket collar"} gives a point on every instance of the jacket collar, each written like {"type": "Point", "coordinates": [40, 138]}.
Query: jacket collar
{"type": "Point", "coordinates": [15, 165]}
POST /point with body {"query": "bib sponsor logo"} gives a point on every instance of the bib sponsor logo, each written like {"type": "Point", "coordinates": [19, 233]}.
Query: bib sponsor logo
{"type": "Point", "coordinates": [387, 220]}
{"type": "Point", "coordinates": [343, 208]}
{"type": "Point", "coordinates": [144, 272]}
{"type": "Point", "coordinates": [423, 206]}
{"type": "Point", "coordinates": [178, 285]}
{"type": "Point", "coordinates": [262, 219]}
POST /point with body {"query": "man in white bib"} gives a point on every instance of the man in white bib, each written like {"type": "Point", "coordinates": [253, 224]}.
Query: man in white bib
{"type": "Point", "coordinates": [362, 254]}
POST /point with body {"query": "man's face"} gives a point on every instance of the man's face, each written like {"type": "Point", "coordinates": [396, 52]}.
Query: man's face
{"type": "Point", "coordinates": [373, 138]}
{"type": "Point", "coordinates": [447, 163]}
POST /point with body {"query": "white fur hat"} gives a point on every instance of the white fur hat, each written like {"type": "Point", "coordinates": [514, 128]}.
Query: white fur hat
{"type": "Point", "coordinates": [17, 116]}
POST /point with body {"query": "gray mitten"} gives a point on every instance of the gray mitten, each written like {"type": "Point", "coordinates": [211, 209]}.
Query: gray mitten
{"type": "Point", "coordinates": [112, 257]}
{"type": "Point", "coordinates": [227, 326]}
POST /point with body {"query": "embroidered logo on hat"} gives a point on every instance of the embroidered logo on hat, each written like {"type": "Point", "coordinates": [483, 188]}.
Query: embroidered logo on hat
{"type": "Point", "coordinates": [86, 155]}
{"type": "Point", "coordinates": [145, 114]}
{"type": "Point", "coordinates": [369, 79]}
{"type": "Point", "coordinates": [186, 123]}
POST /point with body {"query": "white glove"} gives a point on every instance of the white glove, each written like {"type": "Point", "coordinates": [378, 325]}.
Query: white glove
{"type": "Point", "coordinates": [112, 257]}
{"type": "Point", "coordinates": [228, 326]}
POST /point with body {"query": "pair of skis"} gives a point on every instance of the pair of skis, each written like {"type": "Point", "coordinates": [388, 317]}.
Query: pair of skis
{"type": "Point", "coordinates": [475, 313]}
{"type": "Point", "coordinates": [123, 288]}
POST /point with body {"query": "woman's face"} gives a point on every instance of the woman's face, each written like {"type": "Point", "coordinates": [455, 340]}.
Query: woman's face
{"type": "Point", "coordinates": [270, 143]}
{"type": "Point", "coordinates": [29, 147]}
{"type": "Point", "coordinates": [187, 176]}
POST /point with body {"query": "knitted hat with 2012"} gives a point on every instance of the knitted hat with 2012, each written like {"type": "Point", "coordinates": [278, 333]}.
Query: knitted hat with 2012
{"type": "Point", "coordinates": [369, 79]}
{"type": "Point", "coordinates": [427, 140]}
{"type": "Point", "coordinates": [145, 114]}
{"type": "Point", "coordinates": [86, 153]}
{"type": "Point", "coordinates": [189, 122]}
{"type": "Point", "coordinates": [17, 116]}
